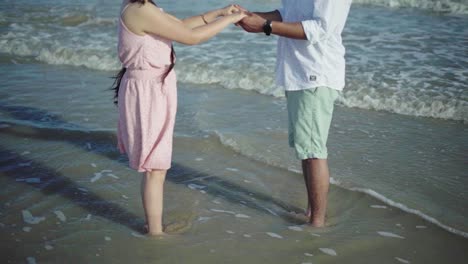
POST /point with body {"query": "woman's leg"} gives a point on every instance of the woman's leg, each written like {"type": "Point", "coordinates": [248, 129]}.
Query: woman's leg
{"type": "Point", "coordinates": [152, 190]}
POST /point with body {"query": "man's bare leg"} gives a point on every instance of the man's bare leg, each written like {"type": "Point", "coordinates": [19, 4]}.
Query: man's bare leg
{"type": "Point", "coordinates": [305, 172]}
{"type": "Point", "coordinates": [317, 183]}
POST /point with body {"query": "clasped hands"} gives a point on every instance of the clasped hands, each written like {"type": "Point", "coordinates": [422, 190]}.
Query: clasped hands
{"type": "Point", "coordinates": [251, 22]}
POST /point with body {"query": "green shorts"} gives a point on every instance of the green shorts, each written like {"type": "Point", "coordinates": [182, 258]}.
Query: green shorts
{"type": "Point", "coordinates": [310, 113]}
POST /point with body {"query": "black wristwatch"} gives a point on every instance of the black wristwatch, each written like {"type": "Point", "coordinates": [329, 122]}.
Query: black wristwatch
{"type": "Point", "coordinates": [267, 27]}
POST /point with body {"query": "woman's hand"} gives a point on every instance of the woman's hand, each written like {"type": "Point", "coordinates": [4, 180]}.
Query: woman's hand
{"type": "Point", "coordinates": [236, 17]}
{"type": "Point", "coordinates": [229, 10]}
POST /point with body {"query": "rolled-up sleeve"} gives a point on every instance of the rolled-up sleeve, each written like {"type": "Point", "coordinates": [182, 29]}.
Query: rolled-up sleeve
{"type": "Point", "coordinates": [281, 11]}
{"type": "Point", "coordinates": [318, 28]}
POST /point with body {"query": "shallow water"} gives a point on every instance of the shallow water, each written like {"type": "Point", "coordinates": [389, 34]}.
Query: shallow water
{"type": "Point", "coordinates": [221, 204]}
{"type": "Point", "coordinates": [235, 192]}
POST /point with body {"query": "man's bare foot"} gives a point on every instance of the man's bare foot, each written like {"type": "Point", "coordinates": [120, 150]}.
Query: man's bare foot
{"type": "Point", "coordinates": [308, 212]}
{"type": "Point", "coordinates": [317, 224]}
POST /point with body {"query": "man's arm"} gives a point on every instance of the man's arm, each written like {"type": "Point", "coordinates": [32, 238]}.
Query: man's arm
{"type": "Point", "coordinates": [255, 21]}
{"type": "Point", "coordinates": [272, 16]}
{"type": "Point", "coordinates": [314, 29]}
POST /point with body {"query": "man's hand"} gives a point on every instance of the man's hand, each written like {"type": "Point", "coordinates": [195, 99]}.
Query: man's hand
{"type": "Point", "coordinates": [252, 23]}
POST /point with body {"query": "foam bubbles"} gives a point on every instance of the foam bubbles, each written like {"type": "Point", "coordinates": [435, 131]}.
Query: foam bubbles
{"type": "Point", "coordinates": [48, 247]}
{"type": "Point", "coordinates": [402, 260]}
{"type": "Point", "coordinates": [295, 228]}
{"type": "Point", "coordinates": [274, 235]}
{"type": "Point", "coordinates": [242, 216]}
{"type": "Point", "coordinates": [443, 6]}
{"type": "Point", "coordinates": [389, 234]}
{"type": "Point", "coordinates": [60, 215]}
{"type": "Point", "coordinates": [30, 219]}
{"type": "Point", "coordinates": [328, 251]}
{"type": "Point", "coordinates": [196, 186]}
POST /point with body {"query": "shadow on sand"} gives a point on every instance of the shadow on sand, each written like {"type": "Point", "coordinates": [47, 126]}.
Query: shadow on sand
{"type": "Point", "coordinates": [41, 125]}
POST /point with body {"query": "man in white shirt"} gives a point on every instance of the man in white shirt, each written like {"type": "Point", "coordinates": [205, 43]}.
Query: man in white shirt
{"type": "Point", "coordinates": [311, 68]}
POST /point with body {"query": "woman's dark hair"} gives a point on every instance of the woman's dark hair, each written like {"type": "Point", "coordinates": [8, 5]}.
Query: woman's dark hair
{"type": "Point", "coordinates": [118, 78]}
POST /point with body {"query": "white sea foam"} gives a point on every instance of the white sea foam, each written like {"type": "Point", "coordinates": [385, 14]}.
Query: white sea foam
{"type": "Point", "coordinates": [242, 216]}
{"type": "Point", "coordinates": [402, 260]}
{"type": "Point", "coordinates": [99, 175]}
{"type": "Point", "coordinates": [203, 218]}
{"type": "Point", "coordinates": [235, 146]}
{"type": "Point", "coordinates": [138, 235]}
{"type": "Point", "coordinates": [378, 206]}
{"type": "Point", "coordinates": [222, 211]}
{"type": "Point", "coordinates": [444, 6]}
{"type": "Point", "coordinates": [96, 177]}
{"type": "Point", "coordinates": [389, 234]}
{"type": "Point", "coordinates": [60, 215]}
{"type": "Point", "coordinates": [274, 235]}
{"type": "Point", "coordinates": [410, 210]}
{"type": "Point", "coordinates": [308, 255]}
{"type": "Point", "coordinates": [31, 260]}
{"type": "Point", "coordinates": [408, 96]}
{"type": "Point", "coordinates": [27, 229]}
{"type": "Point", "coordinates": [29, 180]}
{"type": "Point", "coordinates": [113, 176]}
{"type": "Point", "coordinates": [196, 186]}
{"type": "Point", "coordinates": [295, 228]}
{"type": "Point", "coordinates": [328, 251]}
{"type": "Point", "coordinates": [48, 247]}
{"type": "Point", "coordinates": [30, 219]}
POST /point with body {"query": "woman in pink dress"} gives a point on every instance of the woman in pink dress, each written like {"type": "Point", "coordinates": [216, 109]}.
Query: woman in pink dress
{"type": "Point", "coordinates": [146, 92]}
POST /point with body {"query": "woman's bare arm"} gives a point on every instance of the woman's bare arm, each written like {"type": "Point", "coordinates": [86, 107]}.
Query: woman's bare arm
{"type": "Point", "coordinates": [148, 19]}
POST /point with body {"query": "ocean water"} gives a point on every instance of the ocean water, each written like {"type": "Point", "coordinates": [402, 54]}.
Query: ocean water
{"type": "Point", "coordinates": [397, 146]}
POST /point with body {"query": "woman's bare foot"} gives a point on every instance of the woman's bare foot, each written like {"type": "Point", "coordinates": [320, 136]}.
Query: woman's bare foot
{"type": "Point", "coordinates": [147, 232]}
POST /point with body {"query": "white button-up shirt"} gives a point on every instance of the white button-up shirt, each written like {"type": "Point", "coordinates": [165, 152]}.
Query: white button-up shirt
{"type": "Point", "coordinates": [319, 60]}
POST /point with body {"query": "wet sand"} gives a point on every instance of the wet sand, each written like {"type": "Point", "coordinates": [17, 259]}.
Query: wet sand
{"type": "Point", "coordinates": [220, 206]}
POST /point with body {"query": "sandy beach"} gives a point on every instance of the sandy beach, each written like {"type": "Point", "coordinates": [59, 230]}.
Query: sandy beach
{"type": "Point", "coordinates": [235, 194]}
